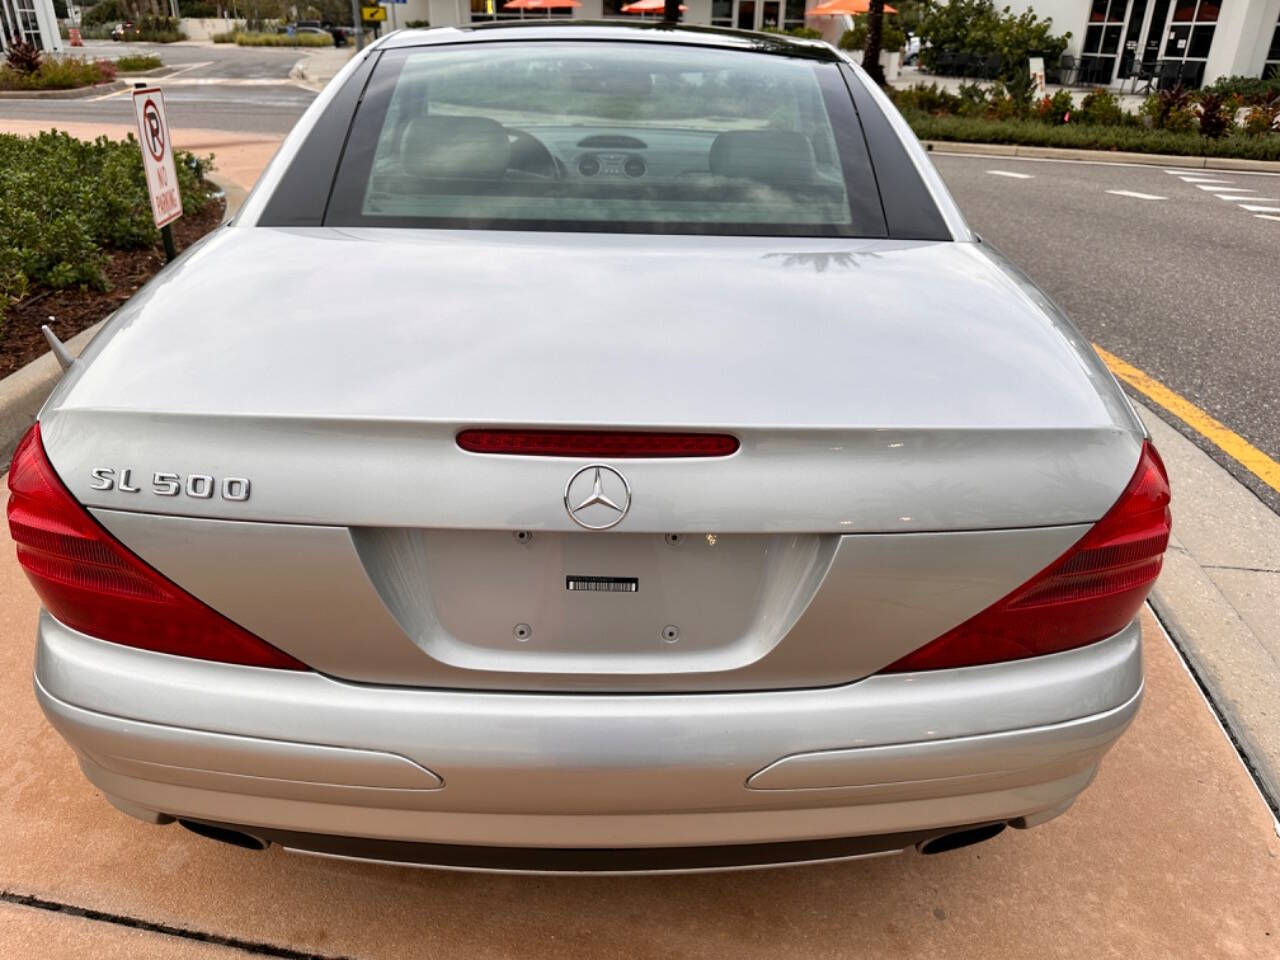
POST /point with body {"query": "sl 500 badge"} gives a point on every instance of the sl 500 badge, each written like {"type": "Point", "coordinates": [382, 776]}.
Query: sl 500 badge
{"type": "Point", "coordinates": [200, 486]}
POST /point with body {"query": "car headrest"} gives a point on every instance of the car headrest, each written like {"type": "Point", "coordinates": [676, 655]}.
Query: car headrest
{"type": "Point", "coordinates": [474, 147]}
{"type": "Point", "coordinates": [770, 156]}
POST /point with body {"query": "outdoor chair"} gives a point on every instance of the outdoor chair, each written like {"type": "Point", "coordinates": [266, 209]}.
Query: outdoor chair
{"type": "Point", "coordinates": [1167, 72]}
{"type": "Point", "coordinates": [1145, 75]}
{"type": "Point", "coordinates": [1067, 71]}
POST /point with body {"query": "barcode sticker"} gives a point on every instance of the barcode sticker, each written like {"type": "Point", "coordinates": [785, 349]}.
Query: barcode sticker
{"type": "Point", "coordinates": [602, 584]}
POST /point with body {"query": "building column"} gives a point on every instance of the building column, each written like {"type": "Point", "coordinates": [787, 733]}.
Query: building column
{"type": "Point", "coordinates": [1241, 38]}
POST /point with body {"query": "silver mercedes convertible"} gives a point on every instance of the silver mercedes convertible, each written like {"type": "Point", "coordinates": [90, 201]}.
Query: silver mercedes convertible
{"type": "Point", "coordinates": [591, 448]}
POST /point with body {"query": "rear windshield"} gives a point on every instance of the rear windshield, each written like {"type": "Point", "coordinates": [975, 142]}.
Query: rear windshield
{"type": "Point", "coordinates": [626, 137]}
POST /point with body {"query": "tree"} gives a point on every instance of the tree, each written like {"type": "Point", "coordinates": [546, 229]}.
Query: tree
{"type": "Point", "coordinates": [875, 36]}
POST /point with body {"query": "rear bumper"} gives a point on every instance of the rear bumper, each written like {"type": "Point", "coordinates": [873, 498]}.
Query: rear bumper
{"type": "Point", "coordinates": [302, 754]}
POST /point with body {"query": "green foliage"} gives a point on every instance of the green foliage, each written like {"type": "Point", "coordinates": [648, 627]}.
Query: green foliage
{"type": "Point", "coordinates": [1056, 109]}
{"type": "Point", "coordinates": [22, 58]}
{"type": "Point", "coordinates": [138, 62]}
{"type": "Point", "coordinates": [1217, 114]}
{"type": "Point", "coordinates": [892, 38]}
{"type": "Point", "coordinates": [1134, 139]}
{"type": "Point", "coordinates": [976, 27]}
{"type": "Point", "coordinates": [59, 73]}
{"type": "Point", "coordinates": [417, 24]}
{"type": "Point", "coordinates": [229, 36]}
{"type": "Point", "coordinates": [103, 12]}
{"type": "Point", "coordinates": [1253, 90]}
{"type": "Point", "coordinates": [154, 29]}
{"type": "Point", "coordinates": [1262, 119]}
{"type": "Point", "coordinates": [1101, 107]}
{"type": "Point", "coordinates": [284, 40]}
{"type": "Point", "coordinates": [64, 202]}
{"type": "Point", "coordinates": [1170, 110]}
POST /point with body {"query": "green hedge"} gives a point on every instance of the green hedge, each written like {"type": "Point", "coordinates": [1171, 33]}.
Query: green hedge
{"type": "Point", "coordinates": [138, 62]}
{"type": "Point", "coordinates": [58, 73]}
{"type": "Point", "coordinates": [1032, 133]}
{"type": "Point", "coordinates": [283, 40]}
{"type": "Point", "coordinates": [64, 202]}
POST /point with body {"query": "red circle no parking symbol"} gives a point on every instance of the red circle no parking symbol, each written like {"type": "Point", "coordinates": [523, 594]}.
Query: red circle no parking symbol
{"type": "Point", "coordinates": [153, 130]}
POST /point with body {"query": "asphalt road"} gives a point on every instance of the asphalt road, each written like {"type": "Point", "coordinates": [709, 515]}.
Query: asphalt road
{"type": "Point", "coordinates": [215, 87]}
{"type": "Point", "coordinates": [1185, 287]}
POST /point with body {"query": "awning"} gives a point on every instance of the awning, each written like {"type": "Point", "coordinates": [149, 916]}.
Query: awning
{"type": "Point", "coordinates": [836, 8]}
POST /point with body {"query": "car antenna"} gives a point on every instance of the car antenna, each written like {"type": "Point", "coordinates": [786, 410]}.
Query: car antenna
{"type": "Point", "coordinates": [60, 351]}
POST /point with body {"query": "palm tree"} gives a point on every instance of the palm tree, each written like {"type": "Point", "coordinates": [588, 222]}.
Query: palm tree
{"type": "Point", "coordinates": [875, 31]}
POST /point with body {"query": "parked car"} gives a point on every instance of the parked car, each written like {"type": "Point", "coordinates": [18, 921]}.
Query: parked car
{"type": "Point", "coordinates": [677, 489]}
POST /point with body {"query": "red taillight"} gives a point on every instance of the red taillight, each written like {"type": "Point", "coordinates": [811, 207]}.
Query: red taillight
{"type": "Point", "coordinates": [91, 583]}
{"type": "Point", "coordinates": [606, 444]}
{"type": "Point", "coordinates": [1086, 595]}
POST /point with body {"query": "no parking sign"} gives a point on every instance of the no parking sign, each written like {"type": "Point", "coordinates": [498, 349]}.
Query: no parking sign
{"type": "Point", "coordinates": [157, 155]}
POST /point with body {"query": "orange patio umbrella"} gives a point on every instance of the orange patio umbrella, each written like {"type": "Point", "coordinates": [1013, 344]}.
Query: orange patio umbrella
{"type": "Point", "coordinates": [835, 8]}
{"type": "Point", "coordinates": [649, 6]}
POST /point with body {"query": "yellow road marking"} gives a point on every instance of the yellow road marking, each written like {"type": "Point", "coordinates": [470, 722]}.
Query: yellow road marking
{"type": "Point", "coordinates": [1231, 443]}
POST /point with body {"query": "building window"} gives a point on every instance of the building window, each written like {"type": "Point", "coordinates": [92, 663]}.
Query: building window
{"type": "Point", "coordinates": [1272, 66]}
{"type": "Point", "coordinates": [722, 13]}
{"type": "Point", "coordinates": [1102, 40]}
{"type": "Point", "coordinates": [1190, 37]}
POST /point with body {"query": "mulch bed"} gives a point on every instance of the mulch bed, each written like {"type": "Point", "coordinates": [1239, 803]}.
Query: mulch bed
{"type": "Point", "coordinates": [67, 312]}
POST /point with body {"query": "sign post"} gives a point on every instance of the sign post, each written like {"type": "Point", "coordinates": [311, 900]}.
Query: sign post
{"type": "Point", "coordinates": [157, 161]}
{"type": "Point", "coordinates": [1036, 66]}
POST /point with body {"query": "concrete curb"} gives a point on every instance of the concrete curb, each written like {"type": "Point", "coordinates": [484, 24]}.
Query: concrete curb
{"type": "Point", "coordinates": [1221, 531]}
{"type": "Point", "coordinates": [1101, 156]}
{"type": "Point", "coordinates": [22, 394]}
{"type": "Point", "coordinates": [75, 94]}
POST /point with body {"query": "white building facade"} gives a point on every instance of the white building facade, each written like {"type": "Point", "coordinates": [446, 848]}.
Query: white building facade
{"type": "Point", "coordinates": [744, 14]}
{"type": "Point", "coordinates": [1202, 40]}
{"type": "Point", "coordinates": [29, 20]}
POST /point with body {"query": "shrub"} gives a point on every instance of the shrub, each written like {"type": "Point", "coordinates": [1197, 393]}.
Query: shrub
{"type": "Point", "coordinates": [1056, 109]}
{"type": "Point", "coordinates": [1217, 115]}
{"type": "Point", "coordinates": [892, 38]}
{"type": "Point", "coordinates": [103, 12]}
{"type": "Point", "coordinates": [67, 201]}
{"type": "Point", "coordinates": [137, 62]}
{"type": "Point", "coordinates": [1093, 137]}
{"type": "Point", "coordinates": [422, 24]}
{"type": "Point", "coordinates": [1170, 110]}
{"type": "Point", "coordinates": [284, 40]}
{"type": "Point", "coordinates": [227, 36]}
{"type": "Point", "coordinates": [1102, 108]}
{"type": "Point", "coordinates": [59, 73]}
{"type": "Point", "coordinates": [975, 26]}
{"type": "Point", "coordinates": [23, 58]}
{"type": "Point", "coordinates": [1253, 90]}
{"type": "Point", "coordinates": [1262, 118]}
{"type": "Point", "coordinates": [925, 98]}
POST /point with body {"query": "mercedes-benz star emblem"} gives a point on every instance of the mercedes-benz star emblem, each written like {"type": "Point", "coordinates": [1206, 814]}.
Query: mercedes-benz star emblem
{"type": "Point", "coordinates": [597, 497]}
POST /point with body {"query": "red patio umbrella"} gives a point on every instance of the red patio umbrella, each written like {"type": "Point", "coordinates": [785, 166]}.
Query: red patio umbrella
{"type": "Point", "coordinates": [835, 8]}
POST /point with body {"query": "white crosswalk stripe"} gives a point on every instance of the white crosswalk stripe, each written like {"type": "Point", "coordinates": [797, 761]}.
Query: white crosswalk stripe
{"type": "Point", "coordinates": [1243, 197]}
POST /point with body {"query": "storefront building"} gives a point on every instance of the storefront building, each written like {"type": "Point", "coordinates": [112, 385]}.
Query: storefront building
{"type": "Point", "coordinates": [1117, 42]}
{"type": "Point", "coordinates": [32, 21]}
{"type": "Point", "coordinates": [743, 14]}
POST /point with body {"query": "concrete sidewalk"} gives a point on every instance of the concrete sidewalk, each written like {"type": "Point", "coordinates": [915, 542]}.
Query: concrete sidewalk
{"type": "Point", "coordinates": [318, 68]}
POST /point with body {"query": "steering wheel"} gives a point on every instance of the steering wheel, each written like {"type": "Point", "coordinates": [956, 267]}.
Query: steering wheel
{"type": "Point", "coordinates": [531, 158]}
